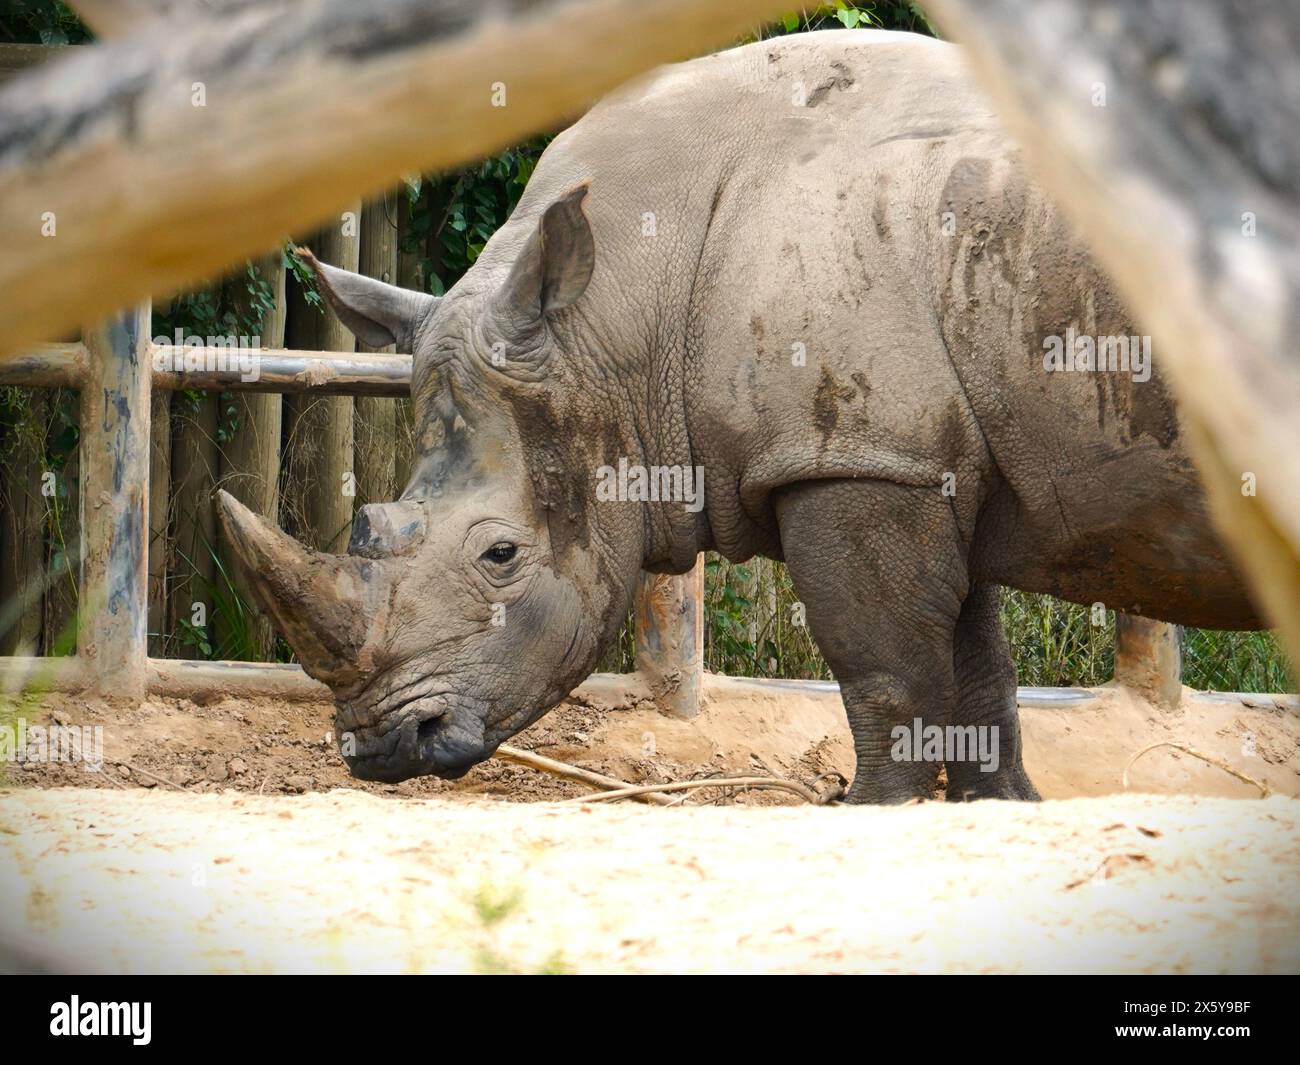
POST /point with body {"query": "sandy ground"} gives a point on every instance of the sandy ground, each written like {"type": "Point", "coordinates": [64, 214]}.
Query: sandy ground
{"type": "Point", "coordinates": [350, 882]}
{"type": "Point", "coordinates": [250, 856]}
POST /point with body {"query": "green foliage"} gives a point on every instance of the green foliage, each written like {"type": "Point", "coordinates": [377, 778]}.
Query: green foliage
{"type": "Point", "coordinates": [213, 311]}
{"type": "Point", "coordinates": [52, 431]}
{"type": "Point", "coordinates": [888, 14]}
{"type": "Point", "coordinates": [452, 216]}
{"type": "Point", "coordinates": [1054, 643]}
{"type": "Point", "coordinates": [49, 22]}
{"type": "Point", "coordinates": [294, 264]}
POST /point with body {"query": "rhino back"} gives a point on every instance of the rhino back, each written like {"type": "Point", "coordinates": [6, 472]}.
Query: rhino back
{"type": "Point", "coordinates": [842, 268]}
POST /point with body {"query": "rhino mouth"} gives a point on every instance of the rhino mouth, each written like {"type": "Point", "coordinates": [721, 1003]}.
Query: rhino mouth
{"type": "Point", "coordinates": [420, 736]}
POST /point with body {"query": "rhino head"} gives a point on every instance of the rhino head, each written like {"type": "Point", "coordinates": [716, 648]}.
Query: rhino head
{"type": "Point", "coordinates": [474, 603]}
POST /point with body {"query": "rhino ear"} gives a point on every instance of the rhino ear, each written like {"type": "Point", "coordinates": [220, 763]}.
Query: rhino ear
{"type": "Point", "coordinates": [379, 314]}
{"type": "Point", "coordinates": [555, 265]}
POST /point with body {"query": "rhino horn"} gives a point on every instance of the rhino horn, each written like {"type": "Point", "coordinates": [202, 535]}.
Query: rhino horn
{"type": "Point", "coordinates": [324, 605]}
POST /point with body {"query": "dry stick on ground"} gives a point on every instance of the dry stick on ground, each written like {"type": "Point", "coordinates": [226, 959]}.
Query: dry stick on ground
{"type": "Point", "coordinates": [109, 777]}
{"type": "Point", "coordinates": [1207, 758]}
{"type": "Point", "coordinates": [570, 772]}
{"type": "Point", "coordinates": [281, 113]}
{"type": "Point", "coordinates": [653, 792]}
{"type": "Point", "coordinates": [640, 790]}
{"type": "Point", "coordinates": [155, 777]}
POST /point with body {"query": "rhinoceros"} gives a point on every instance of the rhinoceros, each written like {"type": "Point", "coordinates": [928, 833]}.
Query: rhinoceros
{"type": "Point", "coordinates": [817, 270]}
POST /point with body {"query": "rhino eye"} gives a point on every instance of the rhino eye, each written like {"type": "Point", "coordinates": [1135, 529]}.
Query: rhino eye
{"type": "Point", "coordinates": [500, 553]}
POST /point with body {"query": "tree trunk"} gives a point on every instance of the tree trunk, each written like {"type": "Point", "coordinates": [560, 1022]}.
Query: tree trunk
{"type": "Point", "coordinates": [65, 545]}
{"type": "Point", "coordinates": [410, 274]}
{"type": "Point", "coordinates": [250, 459]}
{"type": "Point", "coordinates": [376, 416]}
{"type": "Point", "coordinates": [160, 497]}
{"type": "Point", "coordinates": [194, 478]}
{"type": "Point", "coordinates": [22, 533]}
{"type": "Point", "coordinates": [321, 428]}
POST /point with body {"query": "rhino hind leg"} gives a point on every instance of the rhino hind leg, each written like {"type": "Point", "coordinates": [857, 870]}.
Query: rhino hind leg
{"type": "Point", "coordinates": [880, 568]}
{"type": "Point", "coordinates": [986, 699]}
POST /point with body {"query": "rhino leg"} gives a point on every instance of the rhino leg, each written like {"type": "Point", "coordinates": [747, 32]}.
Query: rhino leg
{"type": "Point", "coordinates": [986, 698]}
{"type": "Point", "coordinates": [880, 568]}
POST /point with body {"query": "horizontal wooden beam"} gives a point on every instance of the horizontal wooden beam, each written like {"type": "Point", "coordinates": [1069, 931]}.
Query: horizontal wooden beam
{"type": "Point", "coordinates": [147, 163]}
{"type": "Point", "coordinates": [48, 366]}
{"type": "Point", "coordinates": [220, 369]}
{"type": "Point", "coordinates": [279, 370]}
{"type": "Point", "coordinates": [63, 673]}
{"type": "Point", "coordinates": [193, 679]}
{"type": "Point", "coordinates": [182, 679]}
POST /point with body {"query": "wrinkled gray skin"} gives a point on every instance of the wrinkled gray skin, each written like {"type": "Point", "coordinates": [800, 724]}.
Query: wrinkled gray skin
{"type": "Point", "coordinates": [645, 301]}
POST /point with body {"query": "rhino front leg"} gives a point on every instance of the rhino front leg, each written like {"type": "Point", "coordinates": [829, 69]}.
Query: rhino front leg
{"type": "Point", "coordinates": [986, 684]}
{"type": "Point", "coordinates": [881, 571]}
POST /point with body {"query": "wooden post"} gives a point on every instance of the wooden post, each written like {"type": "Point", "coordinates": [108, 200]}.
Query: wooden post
{"type": "Point", "coordinates": [112, 611]}
{"type": "Point", "coordinates": [322, 427]}
{"type": "Point", "coordinates": [669, 614]}
{"type": "Point", "coordinates": [194, 466]}
{"type": "Point", "coordinates": [160, 494]}
{"type": "Point", "coordinates": [22, 533]}
{"type": "Point", "coordinates": [375, 441]}
{"type": "Point", "coordinates": [410, 274]}
{"type": "Point", "coordinates": [1149, 658]}
{"type": "Point", "coordinates": [250, 460]}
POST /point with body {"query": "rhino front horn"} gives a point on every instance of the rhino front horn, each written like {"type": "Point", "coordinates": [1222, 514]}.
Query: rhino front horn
{"type": "Point", "coordinates": [322, 604]}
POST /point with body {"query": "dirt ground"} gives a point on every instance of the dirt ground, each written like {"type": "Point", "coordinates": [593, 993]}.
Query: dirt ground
{"type": "Point", "coordinates": [609, 725]}
{"type": "Point", "coordinates": [207, 845]}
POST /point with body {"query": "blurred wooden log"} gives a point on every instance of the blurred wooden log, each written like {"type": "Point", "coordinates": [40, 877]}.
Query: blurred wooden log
{"type": "Point", "coordinates": [200, 138]}
{"type": "Point", "coordinates": [1168, 131]}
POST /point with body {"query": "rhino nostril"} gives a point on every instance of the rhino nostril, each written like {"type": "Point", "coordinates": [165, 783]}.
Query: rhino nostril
{"type": "Point", "coordinates": [428, 727]}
